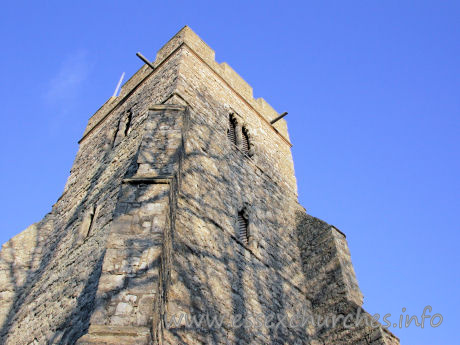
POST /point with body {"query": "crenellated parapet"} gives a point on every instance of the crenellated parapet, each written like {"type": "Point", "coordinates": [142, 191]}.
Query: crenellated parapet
{"type": "Point", "coordinates": [186, 37]}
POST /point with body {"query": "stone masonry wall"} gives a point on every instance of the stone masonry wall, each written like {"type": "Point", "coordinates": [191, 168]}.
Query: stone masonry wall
{"type": "Point", "coordinates": [129, 283]}
{"type": "Point", "coordinates": [271, 151]}
{"type": "Point", "coordinates": [332, 287]}
{"type": "Point", "coordinates": [213, 273]}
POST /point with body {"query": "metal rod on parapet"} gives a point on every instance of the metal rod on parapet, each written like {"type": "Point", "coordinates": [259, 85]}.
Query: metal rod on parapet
{"type": "Point", "coordinates": [279, 117]}
{"type": "Point", "coordinates": [118, 85]}
{"type": "Point", "coordinates": [143, 58]}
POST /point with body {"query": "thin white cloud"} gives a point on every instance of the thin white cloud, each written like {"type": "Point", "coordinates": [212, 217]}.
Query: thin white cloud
{"type": "Point", "coordinates": [63, 90]}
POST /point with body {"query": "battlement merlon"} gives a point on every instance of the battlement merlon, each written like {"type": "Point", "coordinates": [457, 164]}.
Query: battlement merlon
{"type": "Point", "coordinates": [187, 37]}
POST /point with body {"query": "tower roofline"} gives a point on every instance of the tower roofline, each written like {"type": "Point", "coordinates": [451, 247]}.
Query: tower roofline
{"type": "Point", "coordinates": [186, 36]}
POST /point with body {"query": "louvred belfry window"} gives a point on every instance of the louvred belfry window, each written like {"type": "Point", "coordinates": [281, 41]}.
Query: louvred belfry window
{"type": "Point", "coordinates": [243, 227]}
{"type": "Point", "coordinates": [129, 117]}
{"type": "Point", "coordinates": [245, 142]}
{"type": "Point", "coordinates": [231, 132]}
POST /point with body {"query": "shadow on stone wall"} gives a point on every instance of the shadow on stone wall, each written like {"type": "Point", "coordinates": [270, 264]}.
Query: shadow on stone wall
{"type": "Point", "coordinates": [55, 241]}
{"type": "Point", "coordinates": [333, 289]}
{"type": "Point", "coordinates": [186, 255]}
{"type": "Point", "coordinates": [196, 295]}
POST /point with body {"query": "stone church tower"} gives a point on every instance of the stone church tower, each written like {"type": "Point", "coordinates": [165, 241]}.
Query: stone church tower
{"type": "Point", "coordinates": [180, 224]}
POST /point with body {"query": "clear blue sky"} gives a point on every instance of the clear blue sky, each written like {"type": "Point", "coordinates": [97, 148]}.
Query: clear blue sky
{"type": "Point", "coordinates": [372, 91]}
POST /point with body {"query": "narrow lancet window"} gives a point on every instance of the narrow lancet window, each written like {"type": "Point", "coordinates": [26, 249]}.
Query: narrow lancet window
{"type": "Point", "coordinates": [245, 141]}
{"type": "Point", "coordinates": [129, 117]}
{"type": "Point", "coordinates": [243, 227]}
{"type": "Point", "coordinates": [231, 132]}
{"type": "Point", "coordinates": [86, 225]}
{"type": "Point", "coordinates": [124, 128]}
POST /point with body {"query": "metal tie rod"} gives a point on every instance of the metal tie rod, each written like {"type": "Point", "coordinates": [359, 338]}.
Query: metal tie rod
{"type": "Point", "coordinates": [143, 58]}
{"type": "Point", "coordinates": [278, 118]}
